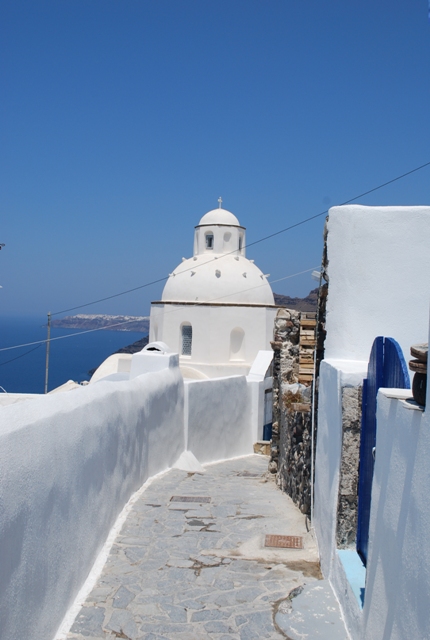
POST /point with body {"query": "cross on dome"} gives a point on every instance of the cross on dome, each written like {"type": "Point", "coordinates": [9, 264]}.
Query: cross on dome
{"type": "Point", "coordinates": [220, 202]}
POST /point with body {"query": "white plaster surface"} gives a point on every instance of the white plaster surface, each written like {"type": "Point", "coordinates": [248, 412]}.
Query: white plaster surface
{"type": "Point", "coordinates": [187, 461]}
{"type": "Point", "coordinates": [261, 365]}
{"type": "Point", "coordinates": [396, 603]}
{"type": "Point", "coordinates": [225, 279]}
{"type": "Point", "coordinates": [69, 463]}
{"type": "Point", "coordinates": [147, 361]}
{"type": "Point", "coordinates": [327, 462]}
{"type": "Point", "coordinates": [225, 298]}
{"type": "Point", "coordinates": [218, 418]}
{"type": "Point", "coordinates": [220, 272]}
{"type": "Point", "coordinates": [116, 363]}
{"type": "Point", "coordinates": [398, 568]}
{"type": "Point", "coordinates": [12, 398]}
{"type": "Point", "coordinates": [379, 270]}
{"type": "Point", "coordinates": [212, 326]}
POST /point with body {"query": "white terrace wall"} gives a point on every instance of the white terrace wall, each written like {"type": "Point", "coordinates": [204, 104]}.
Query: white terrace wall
{"type": "Point", "coordinates": [217, 418]}
{"type": "Point", "coordinates": [69, 463]}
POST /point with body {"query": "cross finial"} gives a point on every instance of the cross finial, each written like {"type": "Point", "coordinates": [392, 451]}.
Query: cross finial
{"type": "Point", "coordinates": [220, 202]}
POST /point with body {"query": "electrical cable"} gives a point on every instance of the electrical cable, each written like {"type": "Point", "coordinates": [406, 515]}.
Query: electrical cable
{"type": "Point", "coordinates": [118, 324]}
{"type": "Point", "coordinates": [317, 215]}
{"type": "Point", "coordinates": [163, 279]}
{"type": "Point", "coordinates": [271, 235]}
{"type": "Point", "coordinates": [22, 354]}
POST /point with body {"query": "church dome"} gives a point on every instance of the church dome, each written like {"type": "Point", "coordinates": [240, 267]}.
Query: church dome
{"type": "Point", "coordinates": [219, 280]}
{"type": "Point", "coordinates": [219, 271]}
{"type": "Point", "coordinates": [219, 216]}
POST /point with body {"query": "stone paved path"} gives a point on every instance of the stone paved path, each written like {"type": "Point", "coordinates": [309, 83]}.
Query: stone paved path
{"type": "Point", "coordinates": [191, 570]}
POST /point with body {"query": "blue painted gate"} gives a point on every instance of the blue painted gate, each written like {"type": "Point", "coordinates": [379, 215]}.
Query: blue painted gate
{"type": "Point", "coordinates": [387, 368]}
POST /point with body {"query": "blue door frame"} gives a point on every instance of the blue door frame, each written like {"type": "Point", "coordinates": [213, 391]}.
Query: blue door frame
{"type": "Point", "coordinates": [387, 368]}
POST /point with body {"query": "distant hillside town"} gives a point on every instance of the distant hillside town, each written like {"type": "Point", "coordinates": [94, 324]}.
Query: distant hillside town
{"type": "Point", "coordinates": [102, 321]}
{"type": "Point", "coordinates": [141, 323]}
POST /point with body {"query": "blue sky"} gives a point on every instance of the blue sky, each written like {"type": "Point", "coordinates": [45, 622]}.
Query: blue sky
{"type": "Point", "coordinates": [123, 122]}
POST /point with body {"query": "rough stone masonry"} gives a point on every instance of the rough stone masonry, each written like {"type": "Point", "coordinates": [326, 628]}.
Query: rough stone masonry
{"type": "Point", "coordinates": [292, 425]}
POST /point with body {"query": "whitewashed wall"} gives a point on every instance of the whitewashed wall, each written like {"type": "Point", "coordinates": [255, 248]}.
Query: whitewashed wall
{"type": "Point", "coordinates": [212, 327]}
{"type": "Point", "coordinates": [334, 375]}
{"type": "Point", "coordinates": [396, 604]}
{"type": "Point", "coordinates": [379, 269]}
{"type": "Point", "coordinates": [379, 284]}
{"type": "Point", "coordinates": [218, 423]}
{"type": "Point", "coordinates": [327, 467]}
{"type": "Point", "coordinates": [68, 463]}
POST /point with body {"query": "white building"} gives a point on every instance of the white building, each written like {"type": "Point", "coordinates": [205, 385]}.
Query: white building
{"type": "Point", "coordinates": [217, 308]}
{"type": "Point", "coordinates": [379, 285]}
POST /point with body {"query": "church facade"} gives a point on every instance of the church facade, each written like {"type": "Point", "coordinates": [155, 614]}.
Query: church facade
{"type": "Point", "coordinates": [217, 308]}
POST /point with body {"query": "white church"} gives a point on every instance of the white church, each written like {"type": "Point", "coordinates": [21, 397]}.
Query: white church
{"type": "Point", "coordinates": [215, 317]}
{"type": "Point", "coordinates": [198, 393]}
{"type": "Point", "coordinates": [217, 308]}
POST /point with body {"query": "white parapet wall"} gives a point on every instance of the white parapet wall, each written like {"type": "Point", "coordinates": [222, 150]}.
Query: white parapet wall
{"type": "Point", "coordinates": [396, 604]}
{"type": "Point", "coordinates": [69, 463]}
{"type": "Point", "coordinates": [217, 418]}
{"type": "Point", "coordinates": [334, 375]}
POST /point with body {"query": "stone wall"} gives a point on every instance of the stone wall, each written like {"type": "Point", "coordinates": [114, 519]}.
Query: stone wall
{"type": "Point", "coordinates": [347, 505]}
{"type": "Point", "coordinates": [298, 345]}
{"type": "Point", "coordinates": [294, 465]}
{"type": "Point", "coordinates": [292, 423]}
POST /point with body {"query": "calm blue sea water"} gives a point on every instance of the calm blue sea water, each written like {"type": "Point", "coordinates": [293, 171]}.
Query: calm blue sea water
{"type": "Point", "coordinates": [70, 359]}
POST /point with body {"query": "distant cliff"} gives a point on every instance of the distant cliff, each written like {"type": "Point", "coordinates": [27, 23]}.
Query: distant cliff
{"type": "Point", "coordinates": [299, 304]}
{"type": "Point", "coordinates": [138, 324]}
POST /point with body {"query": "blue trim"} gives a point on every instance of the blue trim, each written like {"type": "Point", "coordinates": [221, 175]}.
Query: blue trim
{"type": "Point", "coordinates": [387, 368]}
{"type": "Point", "coordinates": [355, 572]}
{"type": "Point", "coordinates": [267, 431]}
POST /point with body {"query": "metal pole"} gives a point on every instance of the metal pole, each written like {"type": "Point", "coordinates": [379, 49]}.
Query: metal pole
{"type": "Point", "coordinates": [48, 343]}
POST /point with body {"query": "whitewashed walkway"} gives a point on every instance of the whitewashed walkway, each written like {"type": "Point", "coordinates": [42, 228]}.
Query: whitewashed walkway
{"type": "Point", "coordinates": [196, 570]}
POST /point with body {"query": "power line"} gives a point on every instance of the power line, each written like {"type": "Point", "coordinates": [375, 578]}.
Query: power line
{"type": "Point", "coordinates": [71, 335]}
{"type": "Point", "coordinates": [115, 295]}
{"type": "Point", "coordinates": [271, 235]}
{"type": "Point", "coordinates": [22, 354]}
{"type": "Point", "coordinates": [322, 213]}
{"type": "Point", "coordinates": [39, 343]}
{"type": "Point", "coordinates": [133, 320]}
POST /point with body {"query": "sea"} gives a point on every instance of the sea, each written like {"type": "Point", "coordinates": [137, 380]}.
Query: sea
{"type": "Point", "coordinates": [22, 370]}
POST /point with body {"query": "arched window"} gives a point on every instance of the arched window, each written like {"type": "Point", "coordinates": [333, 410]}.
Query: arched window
{"type": "Point", "coordinates": [237, 344]}
{"type": "Point", "coordinates": [186, 339]}
{"type": "Point", "coordinates": [241, 247]}
{"type": "Point", "coordinates": [209, 237]}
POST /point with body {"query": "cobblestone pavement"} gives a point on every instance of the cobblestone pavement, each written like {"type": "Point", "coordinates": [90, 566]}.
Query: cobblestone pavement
{"type": "Point", "coordinates": [196, 570]}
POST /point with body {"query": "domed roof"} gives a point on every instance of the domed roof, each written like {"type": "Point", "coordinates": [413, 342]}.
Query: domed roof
{"type": "Point", "coordinates": [226, 279]}
{"type": "Point", "coordinates": [219, 216]}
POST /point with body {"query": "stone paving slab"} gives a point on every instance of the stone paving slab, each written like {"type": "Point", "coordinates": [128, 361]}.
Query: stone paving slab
{"type": "Point", "coordinates": [188, 571]}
